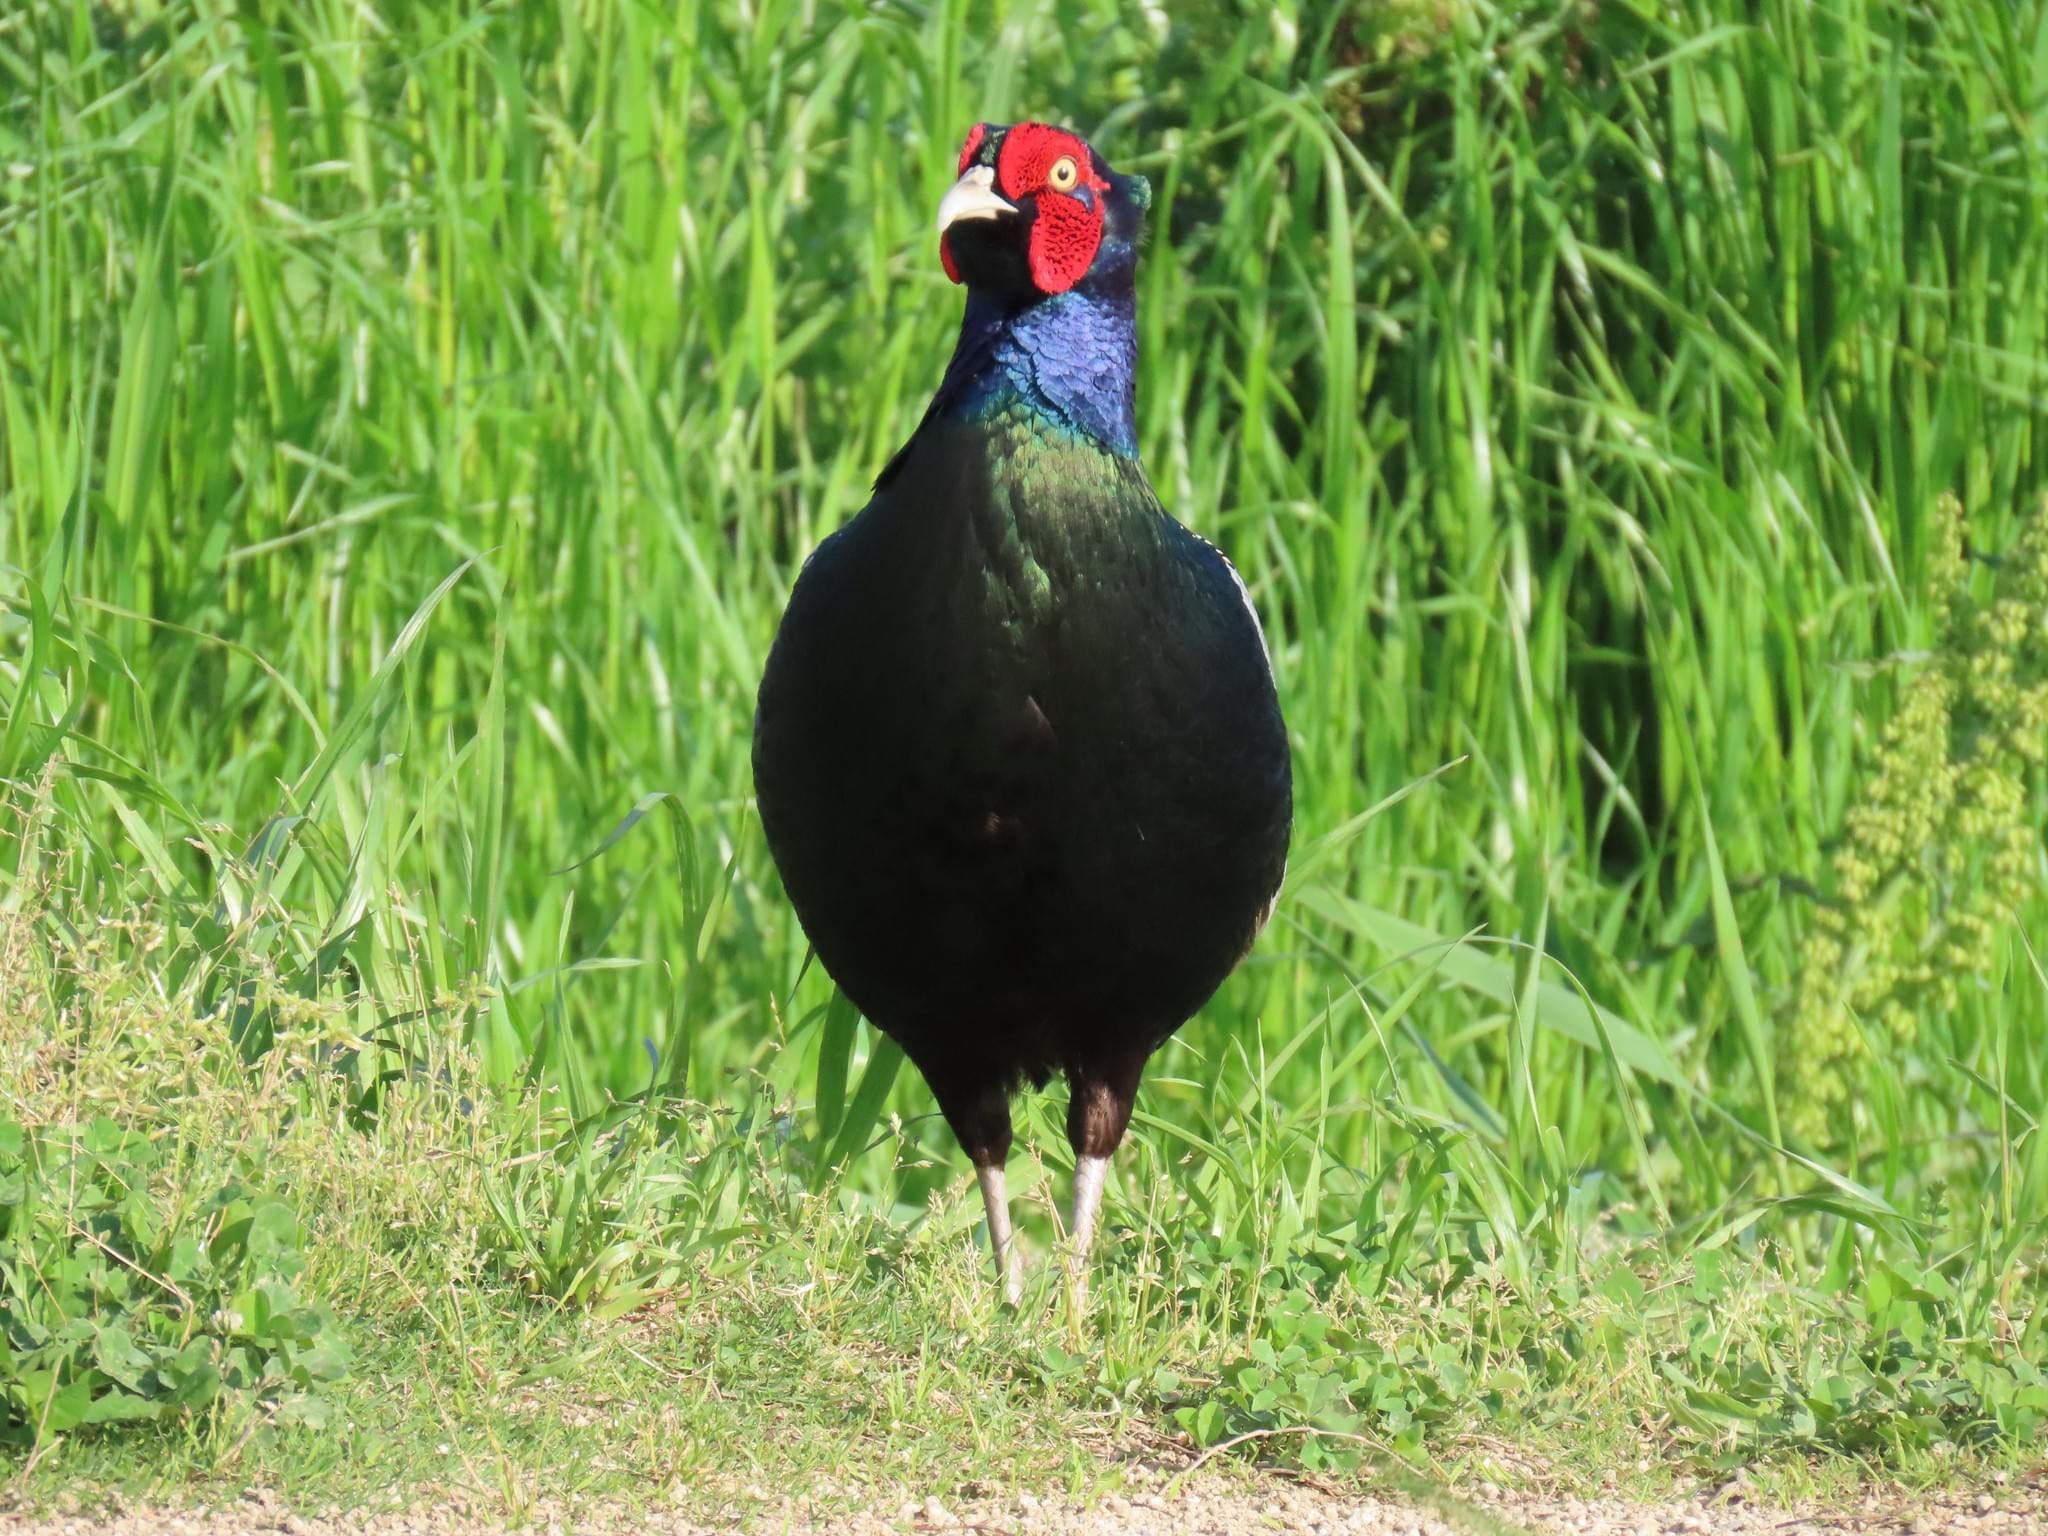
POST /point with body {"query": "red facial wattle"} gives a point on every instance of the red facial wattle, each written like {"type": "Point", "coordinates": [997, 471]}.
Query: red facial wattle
{"type": "Point", "coordinates": [974, 138]}
{"type": "Point", "coordinates": [1066, 214]}
{"type": "Point", "coordinates": [1068, 226]}
{"type": "Point", "coordinates": [1064, 238]}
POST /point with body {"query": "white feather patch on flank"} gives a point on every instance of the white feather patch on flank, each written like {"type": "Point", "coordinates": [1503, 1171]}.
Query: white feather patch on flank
{"type": "Point", "coordinates": [1244, 595]}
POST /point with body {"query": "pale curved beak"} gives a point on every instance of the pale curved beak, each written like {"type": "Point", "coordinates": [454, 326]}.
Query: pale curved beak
{"type": "Point", "coordinates": [973, 196]}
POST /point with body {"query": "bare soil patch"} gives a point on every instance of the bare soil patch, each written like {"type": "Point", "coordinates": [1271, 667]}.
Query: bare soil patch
{"type": "Point", "coordinates": [1274, 1506]}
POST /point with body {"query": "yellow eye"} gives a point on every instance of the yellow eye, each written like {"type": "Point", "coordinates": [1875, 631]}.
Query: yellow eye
{"type": "Point", "coordinates": [1064, 174]}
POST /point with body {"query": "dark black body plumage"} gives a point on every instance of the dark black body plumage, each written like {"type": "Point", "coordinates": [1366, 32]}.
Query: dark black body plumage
{"type": "Point", "coordinates": [1020, 761]}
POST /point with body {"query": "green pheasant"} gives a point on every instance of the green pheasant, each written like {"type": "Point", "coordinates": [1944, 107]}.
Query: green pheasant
{"type": "Point", "coordinates": [1019, 754]}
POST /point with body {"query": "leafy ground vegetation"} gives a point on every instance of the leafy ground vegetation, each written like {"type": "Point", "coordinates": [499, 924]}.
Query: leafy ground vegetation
{"type": "Point", "coordinates": [1628, 419]}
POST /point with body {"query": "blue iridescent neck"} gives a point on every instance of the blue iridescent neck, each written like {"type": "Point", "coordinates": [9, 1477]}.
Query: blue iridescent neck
{"type": "Point", "coordinates": [1071, 359]}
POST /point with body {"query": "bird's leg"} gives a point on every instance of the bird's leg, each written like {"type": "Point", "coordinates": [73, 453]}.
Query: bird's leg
{"type": "Point", "coordinates": [1089, 1172]}
{"type": "Point", "coordinates": [995, 1195]}
{"type": "Point", "coordinates": [1097, 1116]}
{"type": "Point", "coordinates": [979, 1112]}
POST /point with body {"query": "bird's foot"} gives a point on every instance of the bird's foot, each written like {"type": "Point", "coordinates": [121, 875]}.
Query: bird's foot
{"type": "Point", "coordinates": [995, 1198]}
{"type": "Point", "coordinates": [1089, 1173]}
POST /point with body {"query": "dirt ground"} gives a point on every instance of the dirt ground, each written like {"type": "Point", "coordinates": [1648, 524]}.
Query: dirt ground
{"type": "Point", "coordinates": [1205, 1509]}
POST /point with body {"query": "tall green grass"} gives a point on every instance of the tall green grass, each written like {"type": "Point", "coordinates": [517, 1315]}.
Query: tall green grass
{"type": "Point", "coordinates": [414, 416]}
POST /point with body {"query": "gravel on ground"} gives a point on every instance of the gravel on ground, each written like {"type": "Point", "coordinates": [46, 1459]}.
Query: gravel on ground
{"type": "Point", "coordinates": [1275, 1507]}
